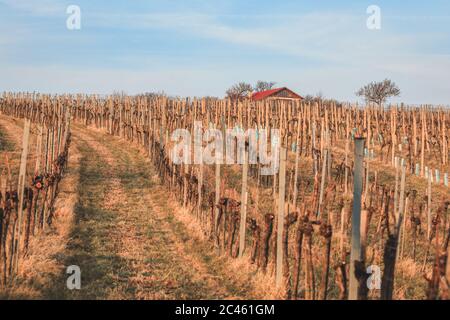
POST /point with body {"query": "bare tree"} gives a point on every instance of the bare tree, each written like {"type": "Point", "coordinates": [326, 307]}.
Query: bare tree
{"type": "Point", "coordinates": [314, 98]}
{"type": "Point", "coordinates": [379, 92]}
{"type": "Point", "coordinates": [239, 91]}
{"type": "Point", "coordinates": [264, 85]}
{"type": "Point", "coordinates": [308, 98]}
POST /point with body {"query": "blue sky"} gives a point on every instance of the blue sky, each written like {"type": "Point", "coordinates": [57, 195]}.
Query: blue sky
{"type": "Point", "coordinates": [201, 47]}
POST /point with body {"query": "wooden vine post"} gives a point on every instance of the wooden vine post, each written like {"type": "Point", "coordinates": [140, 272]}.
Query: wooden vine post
{"type": "Point", "coordinates": [217, 200]}
{"type": "Point", "coordinates": [355, 255]}
{"type": "Point", "coordinates": [37, 168]}
{"type": "Point", "coordinates": [199, 190]}
{"type": "Point", "coordinates": [298, 147]}
{"type": "Point", "coordinates": [385, 216]}
{"type": "Point", "coordinates": [280, 220]}
{"type": "Point", "coordinates": [21, 188]}
{"type": "Point", "coordinates": [392, 246]}
{"type": "Point", "coordinates": [422, 145]}
{"type": "Point", "coordinates": [322, 181]}
{"type": "Point", "coordinates": [243, 204]}
{"type": "Point", "coordinates": [400, 212]}
{"type": "Point", "coordinates": [429, 218]}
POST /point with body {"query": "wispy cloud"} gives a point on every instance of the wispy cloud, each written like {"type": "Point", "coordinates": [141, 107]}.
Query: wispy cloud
{"type": "Point", "coordinates": [331, 36]}
{"type": "Point", "coordinates": [292, 34]}
{"type": "Point", "coordinates": [37, 7]}
{"type": "Point", "coordinates": [122, 47]}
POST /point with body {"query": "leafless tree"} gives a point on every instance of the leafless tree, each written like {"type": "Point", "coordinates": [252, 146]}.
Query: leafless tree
{"type": "Point", "coordinates": [239, 91]}
{"type": "Point", "coordinates": [314, 98]}
{"type": "Point", "coordinates": [264, 85]}
{"type": "Point", "coordinates": [308, 98]}
{"type": "Point", "coordinates": [379, 92]}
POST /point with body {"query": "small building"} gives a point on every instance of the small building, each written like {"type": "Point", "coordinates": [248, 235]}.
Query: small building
{"type": "Point", "coordinates": [276, 94]}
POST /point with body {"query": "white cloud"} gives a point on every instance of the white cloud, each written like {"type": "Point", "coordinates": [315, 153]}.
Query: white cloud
{"type": "Point", "coordinates": [37, 7]}
{"type": "Point", "coordinates": [332, 37]}
{"type": "Point", "coordinates": [347, 56]}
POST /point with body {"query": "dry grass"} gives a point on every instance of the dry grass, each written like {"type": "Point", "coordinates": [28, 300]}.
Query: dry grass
{"type": "Point", "coordinates": [133, 240]}
{"type": "Point", "coordinates": [42, 262]}
{"type": "Point", "coordinates": [129, 238]}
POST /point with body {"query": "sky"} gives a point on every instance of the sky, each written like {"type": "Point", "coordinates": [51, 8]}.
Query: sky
{"type": "Point", "coordinates": [202, 47]}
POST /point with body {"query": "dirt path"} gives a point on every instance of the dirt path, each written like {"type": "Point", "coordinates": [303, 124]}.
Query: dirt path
{"type": "Point", "coordinates": [127, 237]}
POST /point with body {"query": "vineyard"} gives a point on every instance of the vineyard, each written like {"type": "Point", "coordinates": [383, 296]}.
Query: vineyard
{"type": "Point", "coordinates": [358, 208]}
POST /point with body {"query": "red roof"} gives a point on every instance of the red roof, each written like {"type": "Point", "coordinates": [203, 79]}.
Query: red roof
{"type": "Point", "coordinates": [265, 94]}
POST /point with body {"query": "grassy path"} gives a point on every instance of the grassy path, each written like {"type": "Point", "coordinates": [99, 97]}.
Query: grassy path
{"type": "Point", "coordinates": [127, 240]}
